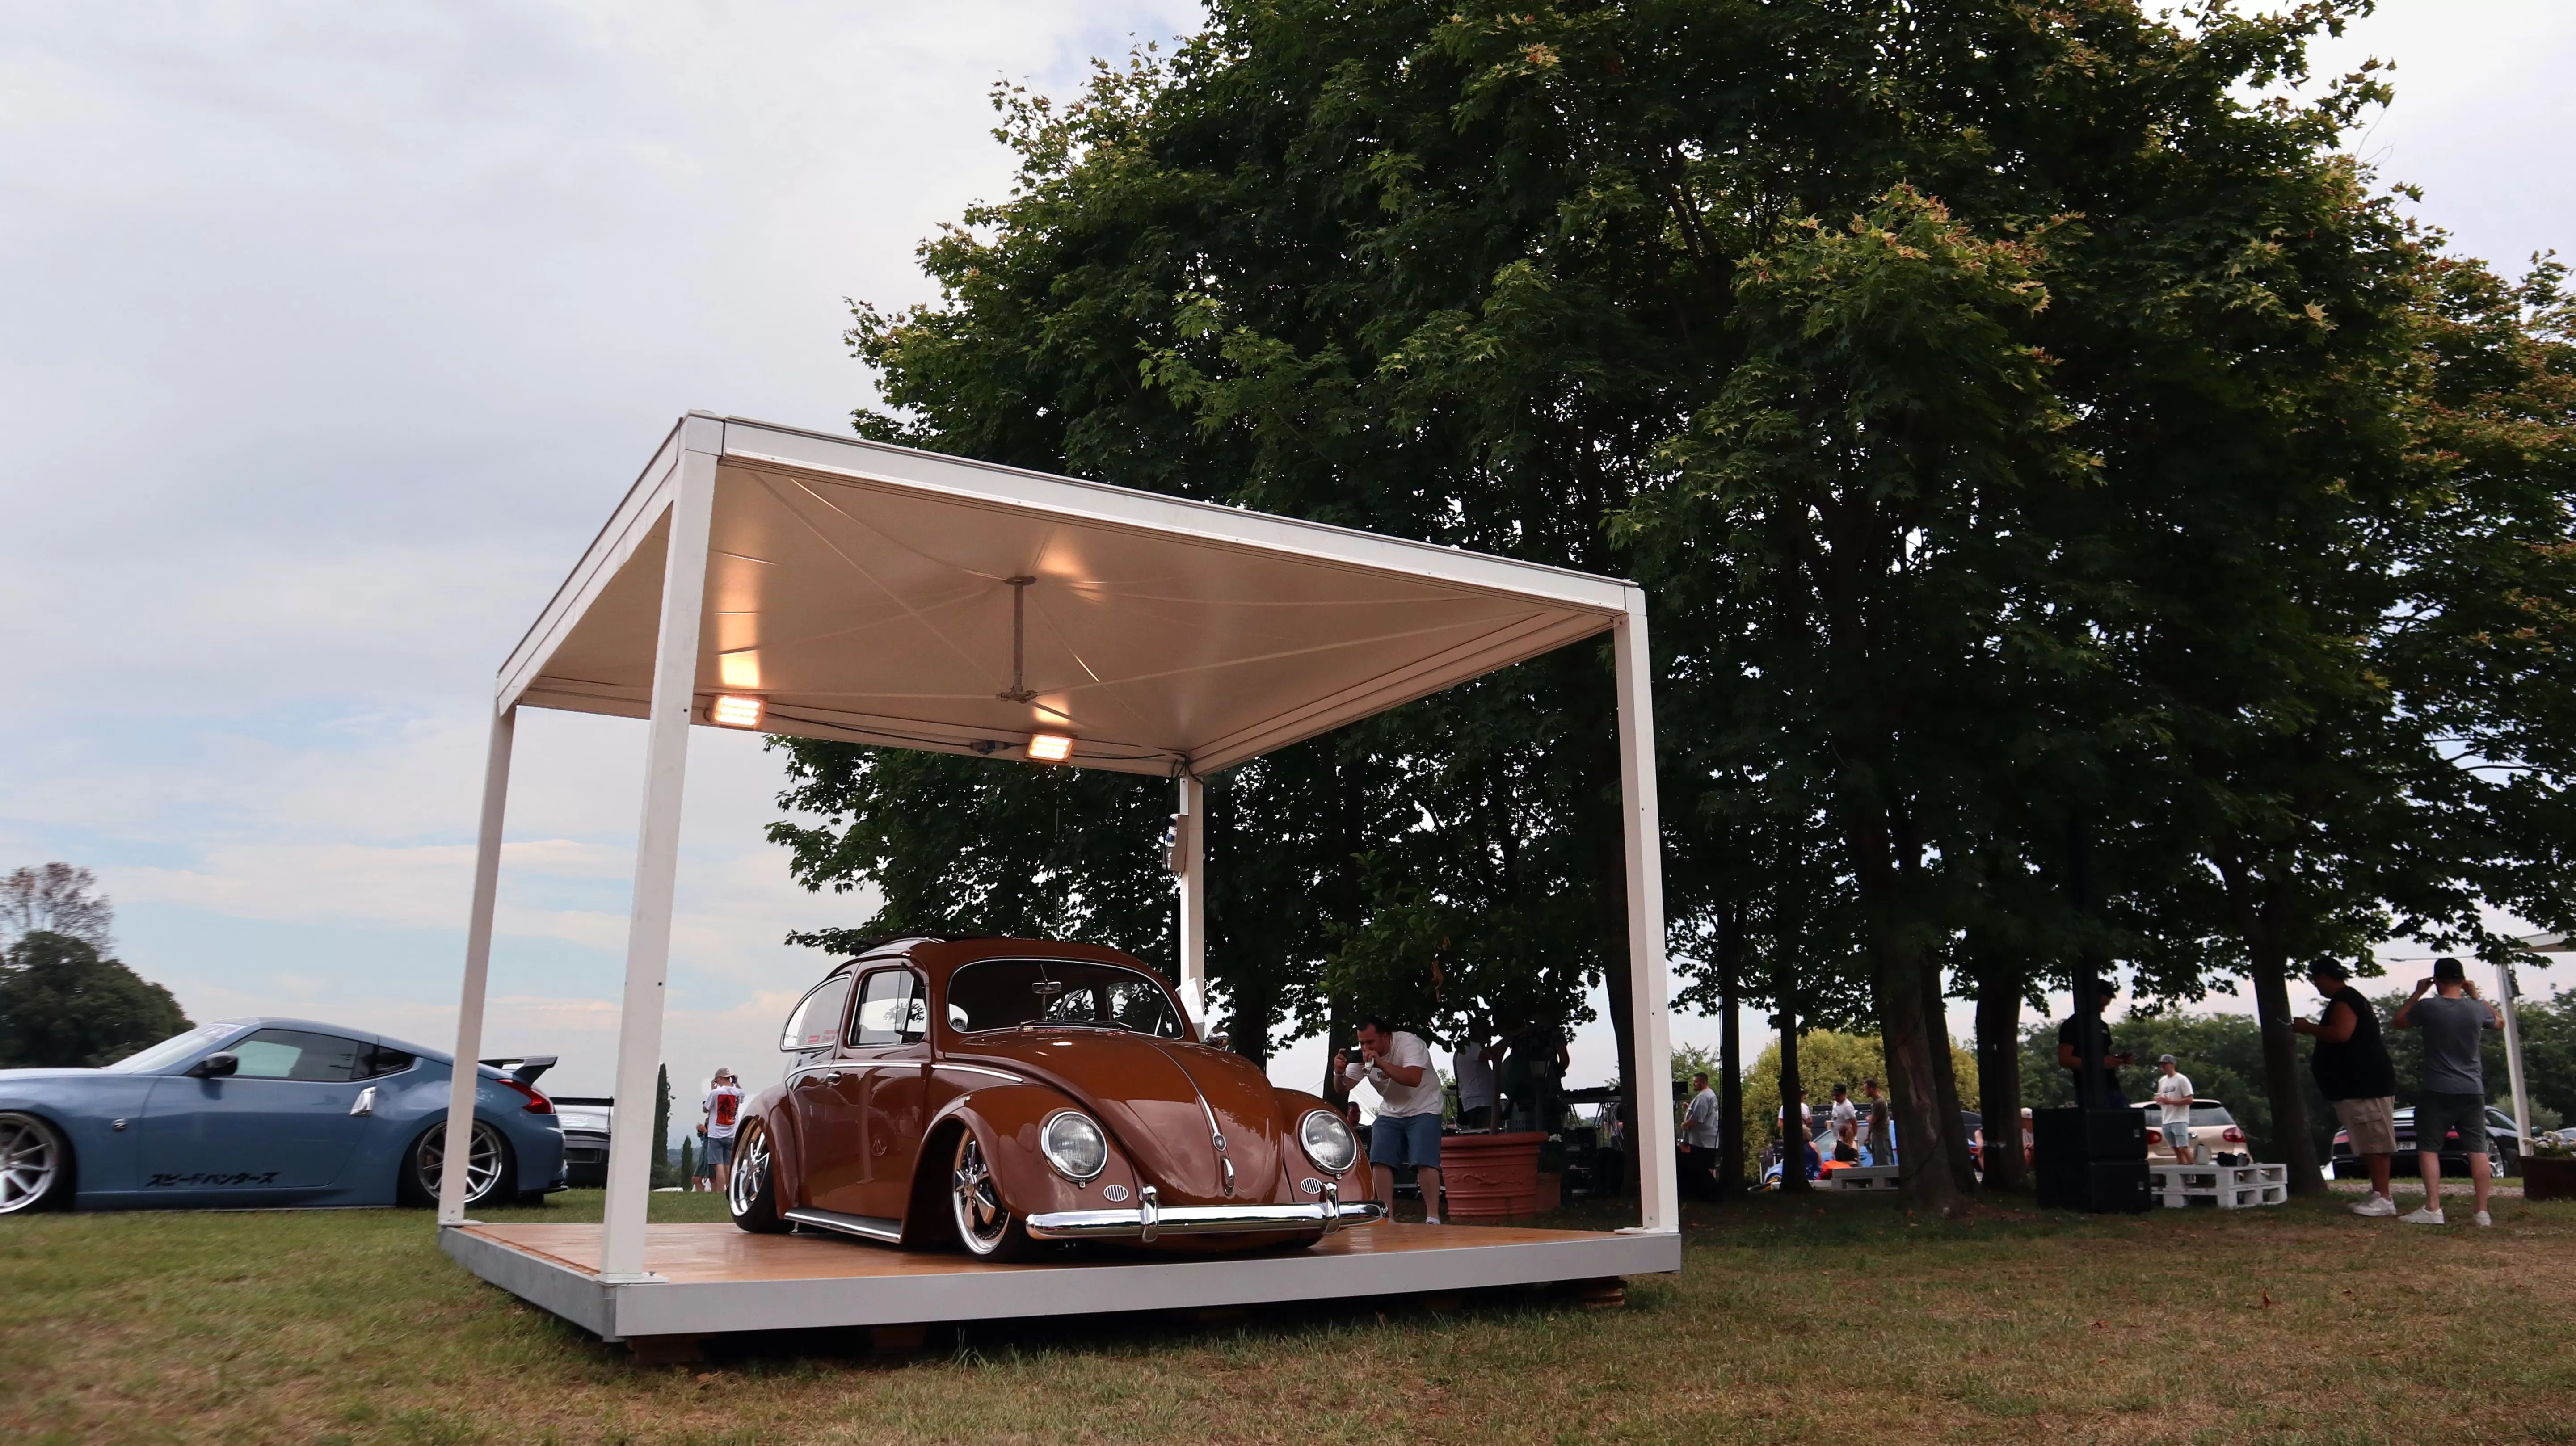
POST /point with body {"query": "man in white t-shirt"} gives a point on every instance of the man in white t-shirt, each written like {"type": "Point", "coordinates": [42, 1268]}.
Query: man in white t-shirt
{"type": "Point", "coordinates": [1846, 1121]}
{"type": "Point", "coordinates": [723, 1107]}
{"type": "Point", "coordinates": [2173, 1098]}
{"type": "Point", "coordinates": [1407, 1131]}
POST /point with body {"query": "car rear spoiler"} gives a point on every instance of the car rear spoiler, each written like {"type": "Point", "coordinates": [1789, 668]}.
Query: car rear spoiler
{"type": "Point", "coordinates": [524, 1068]}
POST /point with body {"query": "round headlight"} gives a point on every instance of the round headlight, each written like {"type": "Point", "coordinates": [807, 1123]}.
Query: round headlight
{"type": "Point", "coordinates": [1328, 1141]}
{"type": "Point", "coordinates": [1074, 1145]}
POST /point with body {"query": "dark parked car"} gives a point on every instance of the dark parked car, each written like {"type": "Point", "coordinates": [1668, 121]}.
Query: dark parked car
{"type": "Point", "coordinates": [265, 1112]}
{"type": "Point", "coordinates": [2503, 1150]}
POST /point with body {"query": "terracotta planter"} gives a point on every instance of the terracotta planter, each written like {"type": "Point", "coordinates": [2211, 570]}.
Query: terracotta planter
{"type": "Point", "coordinates": [1551, 1191]}
{"type": "Point", "coordinates": [2544, 1178]}
{"type": "Point", "coordinates": [1490, 1177]}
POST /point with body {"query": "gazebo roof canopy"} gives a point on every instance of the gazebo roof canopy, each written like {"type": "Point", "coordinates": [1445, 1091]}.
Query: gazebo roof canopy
{"type": "Point", "coordinates": [865, 592]}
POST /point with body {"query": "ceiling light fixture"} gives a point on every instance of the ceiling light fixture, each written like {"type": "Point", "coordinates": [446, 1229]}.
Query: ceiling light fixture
{"type": "Point", "coordinates": [1050, 748]}
{"type": "Point", "coordinates": [731, 712]}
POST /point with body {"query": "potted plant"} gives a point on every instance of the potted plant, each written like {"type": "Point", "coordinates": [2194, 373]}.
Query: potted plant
{"type": "Point", "coordinates": [2549, 1171]}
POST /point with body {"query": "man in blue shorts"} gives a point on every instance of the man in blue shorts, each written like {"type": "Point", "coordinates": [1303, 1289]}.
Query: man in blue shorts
{"type": "Point", "coordinates": [2452, 1097]}
{"type": "Point", "coordinates": [1398, 1063]}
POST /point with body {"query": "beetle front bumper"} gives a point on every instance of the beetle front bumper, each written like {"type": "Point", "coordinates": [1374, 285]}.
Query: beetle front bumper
{"type": "Point", "coordinates": [1152, 1218]}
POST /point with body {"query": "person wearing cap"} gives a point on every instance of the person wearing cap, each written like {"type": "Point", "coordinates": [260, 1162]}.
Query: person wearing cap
{"type": "Point", "coordinates": [2356, 1076]}
{"type": "Point", "coordinates": [2104, 1081]}
{"type": "Point", "coordinates": [2173, 1094]}
{"type": "Point", "coordinates": [723, 1109]}
{"type": "Point", "coordinates": [2452, 1095]}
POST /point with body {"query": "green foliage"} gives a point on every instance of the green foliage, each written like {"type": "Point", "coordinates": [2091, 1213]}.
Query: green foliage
{"type": "Point", "coordinates": [661, 1171]}
{"type": "Point", "coordinates": [61, 1004]}
{"type": "Point", "coordinates": [2035, 438]}
{"type": "Point", "coordinates": [1826, 1058]}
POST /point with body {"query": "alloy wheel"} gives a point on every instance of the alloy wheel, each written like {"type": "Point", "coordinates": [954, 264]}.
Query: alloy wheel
{"type": "Point", "coordinates": [981, 1220]}
{"type": "Point", "coordinates": [482, 1162]}
{"type": "Point", "coordinates": [750, 1169]}
{"type": "Point", "coordinates": [31, 1159]}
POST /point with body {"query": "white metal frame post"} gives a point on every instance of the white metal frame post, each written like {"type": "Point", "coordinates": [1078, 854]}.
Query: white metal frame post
{"type": "Point", "coordinates": [1193, 846]}
{"type": "Point", "coordinates": [2505, 993]}
{"type": "Point", "coordinates": [1641, 825]}
{"type": "Point", "coordinates": [464, 1078]}
{"type": "Point", "coordinates": [631, 1151]}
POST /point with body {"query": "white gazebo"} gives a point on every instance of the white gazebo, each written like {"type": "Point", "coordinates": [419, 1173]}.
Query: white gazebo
{"type": "Point", "coordinates": [765, 578]}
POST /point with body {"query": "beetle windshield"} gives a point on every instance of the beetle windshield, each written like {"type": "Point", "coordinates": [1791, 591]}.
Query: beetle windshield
{"type": "Point", "coordinates": [1008, 993]}
{"type": "Point", "coordinates": [178, 1049]}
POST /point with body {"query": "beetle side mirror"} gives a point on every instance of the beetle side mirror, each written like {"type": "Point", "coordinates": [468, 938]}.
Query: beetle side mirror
{"type": "Point", "coordinates": [215, 1066]}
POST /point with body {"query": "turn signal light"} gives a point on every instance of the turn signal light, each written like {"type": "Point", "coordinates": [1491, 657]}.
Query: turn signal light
{"type": "Point", "coordinates": [732, 712]}
{"type": "Point", "coordinates": [2234, 1136]}
{"type": "Point", "coordinates": [1050, 748]}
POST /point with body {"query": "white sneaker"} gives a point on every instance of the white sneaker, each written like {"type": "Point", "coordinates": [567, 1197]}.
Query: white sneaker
{"type": "Point", "coordinates": [1430, 1219]}
{"type": "Point", "coordinates": [2426, 1216]}
{"type": "Point", "coordinates": [2482, 1218]}
{"type": "Point", "coordinates": [2376, 1206]}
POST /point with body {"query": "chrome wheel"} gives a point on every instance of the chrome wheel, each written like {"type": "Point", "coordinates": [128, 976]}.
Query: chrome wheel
{"type": "Point", "coordinates": [750, 1169]}
{"type": "Point", "coordinates": [32, 1160]}
{"type": "Point", "coordinates": [981, 1221]}
{"type": "Point", "coordinates": [483, 1158]}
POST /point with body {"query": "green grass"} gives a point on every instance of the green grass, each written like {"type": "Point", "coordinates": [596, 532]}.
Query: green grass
{"type": "Point", "coordinates": [1830, 1319]}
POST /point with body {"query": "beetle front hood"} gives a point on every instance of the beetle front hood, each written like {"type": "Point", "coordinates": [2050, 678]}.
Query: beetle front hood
{"type": "Point", "coordinates": [1149, 1093]}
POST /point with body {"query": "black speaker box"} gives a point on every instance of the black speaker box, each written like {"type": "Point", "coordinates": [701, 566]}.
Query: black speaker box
{"type": "Point", "coordinates": [2075, 1134]}
{"type": "Point", "coordinates": [2105, 1187]}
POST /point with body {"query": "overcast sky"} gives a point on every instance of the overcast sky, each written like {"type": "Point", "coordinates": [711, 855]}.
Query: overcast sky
{"type": "Point", "coordinates": [333, 332]}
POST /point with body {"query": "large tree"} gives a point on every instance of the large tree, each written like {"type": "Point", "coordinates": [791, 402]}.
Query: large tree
{"type": "Point", "coordinates": [63, 1004]}
{"type": "Point", "coordinates": [2005, 403]}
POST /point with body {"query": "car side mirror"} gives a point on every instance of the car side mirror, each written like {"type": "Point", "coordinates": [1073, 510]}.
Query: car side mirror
{"type": "Point", "coordinates": [216, 1065]}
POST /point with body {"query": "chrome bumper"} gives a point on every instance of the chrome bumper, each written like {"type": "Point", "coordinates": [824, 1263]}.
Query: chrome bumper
{"type": "Point", "coordinates": [1152, 1218]}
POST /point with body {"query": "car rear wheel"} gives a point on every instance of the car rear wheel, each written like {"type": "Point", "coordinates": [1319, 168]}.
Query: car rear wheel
{"type": "Point", "coordinates": [35, 1164]}
{"type": "Point", "coordinates": [753, 1190]}
{"type": "Point", "coordinates": [990, 1231]}
{"type": "Point", "coordinates": [487, 1166]}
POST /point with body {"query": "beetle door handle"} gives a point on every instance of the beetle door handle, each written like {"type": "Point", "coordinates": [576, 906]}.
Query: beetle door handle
{"type": "Point", "coordinates": [832, 1078]}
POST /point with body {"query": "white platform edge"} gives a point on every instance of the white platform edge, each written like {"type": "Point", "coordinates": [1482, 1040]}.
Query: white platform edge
{"type": "Point", "coordinates": [708, 1308]}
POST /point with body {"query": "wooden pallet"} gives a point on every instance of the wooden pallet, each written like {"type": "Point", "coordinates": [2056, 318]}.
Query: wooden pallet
{"type": "Point", "coordinates": [2229, 1187]}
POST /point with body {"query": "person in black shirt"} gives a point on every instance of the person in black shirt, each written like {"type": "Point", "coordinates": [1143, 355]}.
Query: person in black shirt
{"type": "Point", "coordinates": [2067, 1034]}
{"type": "Point", "coordinates": [2355, 1074]}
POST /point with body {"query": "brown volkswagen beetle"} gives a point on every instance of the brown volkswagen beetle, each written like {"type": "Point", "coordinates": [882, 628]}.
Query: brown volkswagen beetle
{"type": "Point", "coordinates": [999, 1092]}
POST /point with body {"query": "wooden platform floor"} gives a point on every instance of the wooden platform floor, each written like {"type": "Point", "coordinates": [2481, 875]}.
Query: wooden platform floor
{"type": "Point", "coordinates": [706, 1253]}
{"type": "Point", "coordinates": [705, 1279]}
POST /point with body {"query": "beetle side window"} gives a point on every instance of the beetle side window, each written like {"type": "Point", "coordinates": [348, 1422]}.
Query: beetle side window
{"type": "Point", "coordinates": [295, 1054]}
{"type": "Point", "coordinates": [816, 1021]}
{"type": "Point", "coordinates": [893, 1009]}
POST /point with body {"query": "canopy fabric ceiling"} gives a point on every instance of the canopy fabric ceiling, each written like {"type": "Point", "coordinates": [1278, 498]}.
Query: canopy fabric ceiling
{"type": "Point", "coordinates": [863, 592]}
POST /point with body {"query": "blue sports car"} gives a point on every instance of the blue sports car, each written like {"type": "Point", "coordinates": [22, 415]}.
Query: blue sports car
{"type": "Point", "coordinates": [257, 1113]}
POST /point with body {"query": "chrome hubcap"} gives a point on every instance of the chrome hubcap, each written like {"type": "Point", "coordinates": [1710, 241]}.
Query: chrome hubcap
{"type": "Point", "coordinates": [980, 1216]}
{"type": "Point", "coordinates": [482, 1161]}
{"type": "Point", "coordinates": [29, 1160]}
{"type": "Point", "coordinates": [750, 1169]}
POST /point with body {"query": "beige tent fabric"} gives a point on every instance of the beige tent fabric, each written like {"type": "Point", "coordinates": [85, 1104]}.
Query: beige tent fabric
{"type": "Point", "coordinates": [866, 592]}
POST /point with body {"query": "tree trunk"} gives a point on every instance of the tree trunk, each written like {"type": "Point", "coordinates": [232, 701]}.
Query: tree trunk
{"type": "Point", "coordinates": [1793, 1133]}
{"type": "Point", "coordinates": [1784, 992]}
{"type": "Point", "coordinates": [1999, 987]}
{"type": "Point", "coordinates": [2281, 1065]}
{"type": "Point", "coordinates": [2263, 923]}
{"type": "Point", "coordinates": [1945, 1075]}
{"type": "Point", "coordinates": [1923, 1137]}
{"type": "Point", "coordinates": [1730, 1051]}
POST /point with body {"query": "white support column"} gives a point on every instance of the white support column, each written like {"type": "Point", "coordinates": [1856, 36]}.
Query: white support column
{"type": "Point", "coordinates": [1193, 846]}
{"type": "Point", "coordinates": [631, 1149]}
{"type": "Point", "coordinates": [1642, 828]}
{"type": "Point", "coordinates": [463, 1077]}
{"type": "Point", "coordinates": [2513, 1059]}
